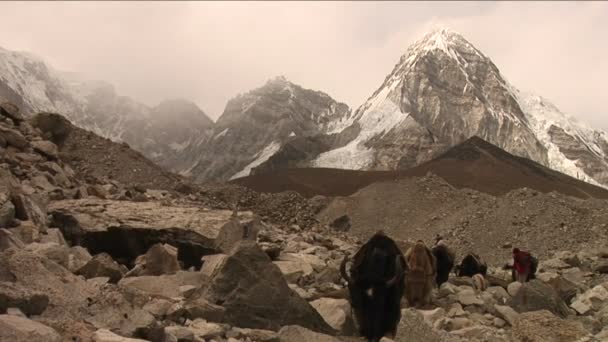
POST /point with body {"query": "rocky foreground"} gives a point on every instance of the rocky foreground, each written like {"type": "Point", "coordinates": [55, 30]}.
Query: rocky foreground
{"type": "Point", "coordinates": [84, 258]}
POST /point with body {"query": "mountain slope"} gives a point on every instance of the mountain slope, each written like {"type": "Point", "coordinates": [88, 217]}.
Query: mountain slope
{"type": "Point", "coordinates": [255, 125]}
{"type": "Point", "coordinates": [158, 132]}
{"type": "Point", "coordinates": [474, 164]}
{"type": "Point", "coordinates": [441, 92]}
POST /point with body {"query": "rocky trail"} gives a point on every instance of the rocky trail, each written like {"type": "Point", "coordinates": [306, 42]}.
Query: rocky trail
{"type": "Point", "coordinates": [89, 255]}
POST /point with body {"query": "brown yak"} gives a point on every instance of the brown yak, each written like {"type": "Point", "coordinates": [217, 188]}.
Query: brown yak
{"type": "Point", "coordinates": [421, 272]}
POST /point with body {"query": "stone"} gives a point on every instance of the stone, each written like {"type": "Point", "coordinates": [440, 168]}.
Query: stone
{"type": "Point", "coordinates": [102, 265]}
{"type": "Point", "coordinates": [601, 267]}
{"type": "Point", "coordinates": [566, 289]}
{"type": "Point", "coordinates": [543, 326]}
{"type": "Point", "coordinates": [11, 111]}
{"type": "Point", "coordinates": [46, 148]}
{"type": "Point", "coordinates": [32, 208]}
{"type": "Point", "coordinates": [236, 230]}
{"type": "Point", "coordinates": [28, 301]}
{"type": "Point", "coordinates": [314, 261]}
{"type": "Point", "coordinates": [178, 333]}
{"type": "Point", "coordinates": [53, 235]}
{"type": "Point", "coordinates": [553, 264]}
{"type": "Point", "coordinates": [165, 286]}
{"type": "Point", "coordinates": [513, 288]}
{"type": "Point", "coordinates": [27, 232]}
{"type": "Point", "coordinates": [469, 297]}
{"type": "Point", "coordinates": [172, 224]}
{"type": "Point", "coordinates": [507, 313]}
{"type": "Point", "coordinates": [13, 138]}
{"type": "Point", "coordinates": [336, 312]}
{"type": "Point", "coordinates": [255, 294]}
{"type": "Point", "coordinates": [294, 270]}
{"type": "Point", "coordinates": [499, 294]}
{"type": "Point", "coordinates": [592, 300]}
{"type": "Point", "coordinates": [536, 295]}
{"type": "Point", "coordinates": [413, 328]}
{"type": "Point", "coordinates": [294, 333]}
{"type": "Point", "coordinates": [205, 330]}
{"type": "Point", "coordinates": [254, 334]}
{"type": "Point", "coordinates": [9, 240]}
{"type": "Point", "coordinates": [7, 211]}
{"type": "Point", "coordinates": [212, 263]}
{"type": "Point", "coordinates": [161, 259]}
{"type": "Point", "coordinates": [19, 329]}
{"type": "Point", "coordinates": [447, 289]}
{"type": "Point", "coordinates": [432, 316]}
{"type": "Point", "coordinates": [462, 281]}
{"type": "Point", "coordinates": [104, 335]}
{"type": "Point", "coordinates": [158, 307]}
{"type": "Point", "coordinates": [456, 311]}
{"type": "Point", "coordinates": [201, 308]}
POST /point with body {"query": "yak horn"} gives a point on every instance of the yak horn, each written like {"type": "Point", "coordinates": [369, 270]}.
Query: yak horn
{"type": "Point", "coordinates": [343, 269]}
{"type": "Point", "coordinates": [398, 272]}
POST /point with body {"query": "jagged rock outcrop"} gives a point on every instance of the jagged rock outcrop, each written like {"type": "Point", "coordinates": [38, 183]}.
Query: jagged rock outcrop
{"type": "Point", "coordinates": [255, 125]}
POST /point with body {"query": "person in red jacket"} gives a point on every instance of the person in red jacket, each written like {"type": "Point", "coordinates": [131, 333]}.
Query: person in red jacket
{"type": "Point", "coordinates": [524, 266]}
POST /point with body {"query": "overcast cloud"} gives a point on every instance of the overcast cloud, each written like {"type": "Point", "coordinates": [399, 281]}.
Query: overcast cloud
{"type": "Point", "coordinates": [209, 52]}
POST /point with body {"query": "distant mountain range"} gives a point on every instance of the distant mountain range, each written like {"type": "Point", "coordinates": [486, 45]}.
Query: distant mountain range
{"type": "Point", "coordinates": [442, 92]}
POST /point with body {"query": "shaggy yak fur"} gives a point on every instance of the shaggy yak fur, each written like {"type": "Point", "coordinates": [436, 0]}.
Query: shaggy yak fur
{"type": "Point", "coordinates": [445, 261]}
{"type": "Point", "coordinates": [420, 280]}
{"type": "Point", "coordinates": [471, 265]}
{"type": "Point", "coordinates": [376, 286]}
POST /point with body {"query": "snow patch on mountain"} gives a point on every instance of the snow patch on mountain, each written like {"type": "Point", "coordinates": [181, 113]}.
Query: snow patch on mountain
{"type": "Point", "coordinates": [221, 134]}
{"type": "Point", "coordinates": [260, 157]}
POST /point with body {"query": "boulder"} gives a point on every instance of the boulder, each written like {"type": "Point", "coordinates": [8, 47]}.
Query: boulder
{"type": "Point", "coordinates": [601, 267]}
{"type": "Point", "coordinates": [28, 301]}
{"type": "Point", "coordinates": [157, 221]}
{"type": "Point", "coordinates": [255, 294]}
{"type": "Point", "coordinates": [336, 312]}
{"type": "Point", "coordinates": [212, 263]}
{"type": "Point", "coordinates": [53, 235]}
{"type": "Point", "coordinates": [294, 270]}
{"type": "Point", "coordinates": [593, 300]}
{"type": "Point", "coordinates": [32, 208]}
{"type": "Point", "coordinates": [253, 334]}
{"type": "Point", "coordinates": [469, 297]}
{"type": "Point", "coordinates": [19, 329]}
{"type": "Point", "coordinates": [7, 211]}
{"type": "Point", "coordinates": [566, 289]}
{"type": "Point", "coordinates": [413, 328]}
{"type": "Point", "coordinates": [165, 286]}
{"type": "Point", "coordinates": [513, 288]}
{"type": "Point", "coordinates": [236, 230]}
{"type": "Point", "coordinates": [46, 148]}
{"type": "Point", "coordinates": [27, 232]}
{"type": "Point", "coordinates": [294, 333]}
{"type": "Point", "coordinates": [102, 265]}
{"type": "Point", "coordinates": [201, 308]}
{"type": "Point", "coordinates": [161, 259]}
{"type": "Point", "coordinates": [205, 330]}
{"type": "Point", "coordinates": [543, 326]}
{"type": "Point", "coordinates": [506, 313]}
{"type": "Point", "coordinates": [11, 111]}
{"type": "Point", "coordinates": [13, 138]}
{"type": "Point", "coordinates": [105, 335]}
{"type": "Point", "coordinates": [536, 295]}
{"type": "Point", "coordinates": [9, 240]}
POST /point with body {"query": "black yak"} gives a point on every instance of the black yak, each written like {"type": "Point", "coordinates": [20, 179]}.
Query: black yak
{"type": "Point", "coordinates": [471, 265]}
{"type": "Point", "coordinates": [421, 273]}
{"type": "Point", "coordinates": [445, 260]}
{"type": "Point", "coordinates": [376, 286]}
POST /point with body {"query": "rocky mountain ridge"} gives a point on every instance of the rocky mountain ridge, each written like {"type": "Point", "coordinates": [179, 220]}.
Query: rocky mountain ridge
{"type": "Point", "coordinates": [159, 132]}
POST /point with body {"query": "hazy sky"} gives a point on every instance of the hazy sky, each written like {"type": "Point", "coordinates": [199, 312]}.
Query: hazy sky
{"type": "Point", "coordinates": [208, 52]}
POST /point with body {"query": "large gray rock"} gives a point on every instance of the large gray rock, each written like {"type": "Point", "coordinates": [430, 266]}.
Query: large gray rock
{"type": "Point", "coordinates": [105, 335]}
{"type": "Point", "coordinates": [592, 300]}
{"type": "Point", "coordinates": [102, 265]}
{"type": "Point", "coordinates": [161, 259]}
{"type": "Point", "coordinates": [28, 301]}
{"type": "Point", "coordinates": [536, 295]}
{"type": "Point", "coordinates": [154, 219]}
{"type": "Point", "coordinates": [11, 111]}
{"type": "Point", "coordinates": [166, 286]}
{"type": "Point", "coordinates": [412, 327]}
{"type": "Point", "coordinates": [32, 208]}
{"type": "Point", "coordinates": [19, 329]}
{"type": "Point", "coordinates": [235, 231]}
{"type": "Point", "coordinates": [9, 240]}
{"type": "Point", "coordinates": [294, 333]}
{"type": "Point", "coordinates": [336, 312]}
{"type": "Point", "coordinates": [7, 211]}
{"type": "Point", "coordinates": [13, 138]}
{"type": "Point", "coordinates": [543, 326]}
{"type": "Point", "coordinates": [255, 295]}
{"type": "Point", "coordinates": [46, 148]}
